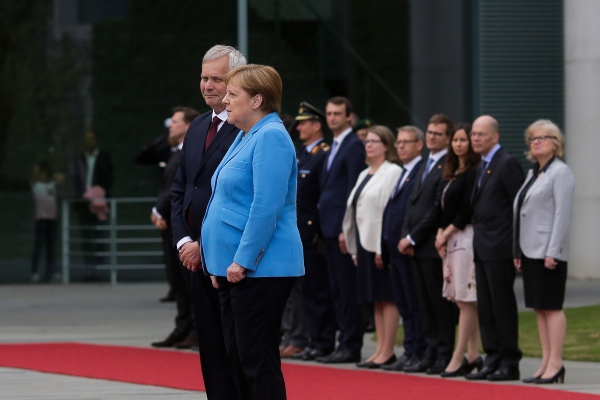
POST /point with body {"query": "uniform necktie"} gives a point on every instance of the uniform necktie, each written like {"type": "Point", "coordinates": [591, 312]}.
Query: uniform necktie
{"type": "Point", "coordinates": [427, 168]}
{"type": "Point", "coordinates": [212, 131]}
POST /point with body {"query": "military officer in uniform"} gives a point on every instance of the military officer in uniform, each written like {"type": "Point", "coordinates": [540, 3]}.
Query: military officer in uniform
{"type": "Point", "coordinates": [318, 303]}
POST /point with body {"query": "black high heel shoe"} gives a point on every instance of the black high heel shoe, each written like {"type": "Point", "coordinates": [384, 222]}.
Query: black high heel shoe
{"type": "Point", "coordinates": [531, 379]}
{"type": "Point", "coordinates": [476, 364]}
{"type": "Point", "coordinates": [459, 372]}
{"type": "Point", "coordinates": [558, 378]}
{"type": "Point", "coordinates": [389, 361]}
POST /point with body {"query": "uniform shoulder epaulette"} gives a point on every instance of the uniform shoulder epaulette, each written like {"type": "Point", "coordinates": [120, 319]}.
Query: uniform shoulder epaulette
{"type": "Point", "coordinates": [324, 146]}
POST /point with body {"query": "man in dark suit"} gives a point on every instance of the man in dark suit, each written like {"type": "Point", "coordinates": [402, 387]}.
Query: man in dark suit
{"type": "Point", "coordinates": [418, 237]}
{"type": "Point", "coordinates": [409, 144]}
{"type": "Point", "coordinates": [340, 171]}
{"type": "Point", "coordinates": [206, 142]}
{"type": "Point", "coordinates": [157, 154]}
{"type": "Point", "coordinates": [499, 180]}
{"type": "Point", "coordinates": [92, 168]}
{"type": "Point", "coordinates": [184, 336]}
{"type": "Point", "coordinates": [318, 305]}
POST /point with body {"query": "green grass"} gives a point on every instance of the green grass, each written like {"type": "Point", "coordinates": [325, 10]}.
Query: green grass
{"type": "Point", "coordinates": [582, 342]}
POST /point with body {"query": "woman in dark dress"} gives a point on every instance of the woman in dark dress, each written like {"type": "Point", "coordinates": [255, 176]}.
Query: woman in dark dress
{"type": "Point", "coordinates": [454, 242]}
{"type": "Point", "coordinates": [542, 215]}
{"type": "Point", "coordinates": [362, 229]}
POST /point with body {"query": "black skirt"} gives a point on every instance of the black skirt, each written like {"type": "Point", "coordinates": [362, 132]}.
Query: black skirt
{"type": "Point", "coordinates": [544, 288]}
{"type": "Point", "coordinates": [372, 284]}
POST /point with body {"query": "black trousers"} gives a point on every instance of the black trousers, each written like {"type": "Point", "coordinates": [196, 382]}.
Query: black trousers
{"type": "Point", "coordinates": [216, 369]}
{"type": "Point", "coordinates": [342, 282]}
{"type": "Point", "coordinates": [180, 283]}
{"type": "Point", "coordinates": [439, 315]}
{"type": "Point", "coordinates": [497, 310]}
{"type": "Point", "coordinates": [45, 236]}
{"type": "Point", "coordinates": [407, 302]}
{"type": "Point", "coordinates": [318, 303]}
{"type": "Point", "coordinates": [251, 311]}
{"type": "Point", "coordinates": [293, 323]}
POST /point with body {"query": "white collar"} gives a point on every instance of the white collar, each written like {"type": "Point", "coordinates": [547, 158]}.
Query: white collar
{"type": "Point", "coordinates": [340, 138]}
{"type": "Point", "coordinates": [222, 115]}
{"type": "Point", "coordinates": [436, 157]}
{"type": "Point", "coordinates": [409, 166]}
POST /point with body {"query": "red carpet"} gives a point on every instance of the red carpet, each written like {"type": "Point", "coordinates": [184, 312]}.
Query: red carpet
{"type": "Point", "coordinates": [181, 370]}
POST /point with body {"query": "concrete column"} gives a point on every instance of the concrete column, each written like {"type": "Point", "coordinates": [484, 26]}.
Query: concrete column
{"type": "Point", "coordinates": [582, 130]}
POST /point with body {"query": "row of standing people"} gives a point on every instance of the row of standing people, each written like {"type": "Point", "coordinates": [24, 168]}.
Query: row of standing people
{"type": "Point", "coordinates": [409, 239]}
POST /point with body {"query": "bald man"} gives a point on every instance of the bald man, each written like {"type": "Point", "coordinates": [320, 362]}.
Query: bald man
{"type": "Point", "coordinates": [499, 179]}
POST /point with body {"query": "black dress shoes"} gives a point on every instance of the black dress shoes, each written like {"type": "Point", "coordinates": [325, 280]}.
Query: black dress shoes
{"type": "Point", "coordinates": [418, 366]}
{"type": "Point", "coordinates": [304, 352]}
{"type": "Point", "coordinates": [188, 342]}
{"type": "Point", "coordinates": [438, 367]}
{"type": "Point", "coordinates": [398, 365]}
{"type": "Point", "coordinates": [505, 374]}
{"type": "Point", "coordinates": [314, 354]}
{"type": "Point", "coordinates": [340, 357]}
{"type": "Point", "coordinates": [482, 374]}
{"type": "Point", "coordinates": [168, 342]}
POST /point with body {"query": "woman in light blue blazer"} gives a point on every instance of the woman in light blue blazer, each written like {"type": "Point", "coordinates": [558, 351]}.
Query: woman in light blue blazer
{"type": "Point", "coordinates": [542, 214]}
{"type": "Point", "coordinates": [250, 241]}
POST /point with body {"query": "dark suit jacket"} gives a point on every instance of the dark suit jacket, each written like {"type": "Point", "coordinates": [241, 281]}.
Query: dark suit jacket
{"type": "Point", "coordinates": [492, 207]}
{"type": "Point", "coordinates": [423, 212]}
{"type": "Point", "coordinates": [338, 182]}
{"type": "Point", "coordinates": [163, 202]}
{"type": "Point", "coordinates": [159, 151]}
{"type": "Point", "coordinates": [309, 190]}
{"type": "Point", "coordinates": [191, 188]}
{"type": "Point", "coordinates": [102, 176]}
{"type": "Point", "coordinates": [393, 216]}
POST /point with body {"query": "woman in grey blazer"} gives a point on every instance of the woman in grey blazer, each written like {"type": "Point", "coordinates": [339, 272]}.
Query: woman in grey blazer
{"type": "Point", "coordinates": [542, 214]}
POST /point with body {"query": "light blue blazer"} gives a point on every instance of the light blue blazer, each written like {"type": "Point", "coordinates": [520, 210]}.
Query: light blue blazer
{"type": "Point", "coordinates": [251, 216]}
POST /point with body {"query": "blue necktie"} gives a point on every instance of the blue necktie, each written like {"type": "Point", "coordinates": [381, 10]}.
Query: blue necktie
{"type": "Point", "coordinates": [332, 152]}
{"type": "Point", "coordinates": [430, 161]}
{"type": "Point", "coordinates": [484, 166]}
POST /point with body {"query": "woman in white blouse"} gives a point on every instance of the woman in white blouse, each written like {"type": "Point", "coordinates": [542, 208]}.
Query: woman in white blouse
{"type": "Point", "coordinates": [362, 229]}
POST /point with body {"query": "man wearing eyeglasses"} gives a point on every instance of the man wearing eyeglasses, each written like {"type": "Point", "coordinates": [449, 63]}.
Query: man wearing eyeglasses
{"type": "Point", "coordinates": [499, 180]}
{"type": "Point", "coordinates": [418, 237]}
{"type": "Point", "coordinates": [409, 144]}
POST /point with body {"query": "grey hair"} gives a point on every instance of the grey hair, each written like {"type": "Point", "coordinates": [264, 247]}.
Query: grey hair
{"type": "Point", "coordinates": [419, 135]}
{"type": "Point", "coordinates": [550, 129]}
{"type": "Point", "coordinates": [235, 57]}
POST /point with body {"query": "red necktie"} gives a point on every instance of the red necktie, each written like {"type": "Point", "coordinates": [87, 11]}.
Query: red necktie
{"type": "Point", "coordinates": [212, 132]}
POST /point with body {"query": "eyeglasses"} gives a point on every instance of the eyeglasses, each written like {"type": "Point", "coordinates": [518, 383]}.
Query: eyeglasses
{"type": "Point", "coordinates": [539, 138]}
{"type": "Point", "coordinates": [438, 134]}
{"type": "Point", "coordinates": [405, 142]}
{"type": "Point", "coordinates": [372, 141]}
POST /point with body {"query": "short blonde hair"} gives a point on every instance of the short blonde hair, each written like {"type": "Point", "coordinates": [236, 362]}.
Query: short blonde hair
{"type": "Point", "coordinates": [259, 79]}
{"type": "Point", "coordinates": [550, 129]}
{"type": "Point", "coordinates": [387, 139]}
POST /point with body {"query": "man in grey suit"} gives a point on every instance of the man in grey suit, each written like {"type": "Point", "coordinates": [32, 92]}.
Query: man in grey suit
{"type": "Point", "coordinates": [499, 179]}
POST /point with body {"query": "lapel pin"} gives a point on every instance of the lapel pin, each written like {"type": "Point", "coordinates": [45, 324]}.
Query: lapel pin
{"type": "Point", "coordinates": [489, 171]}
{"type": "Point", "coordinates": [439, 167]}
